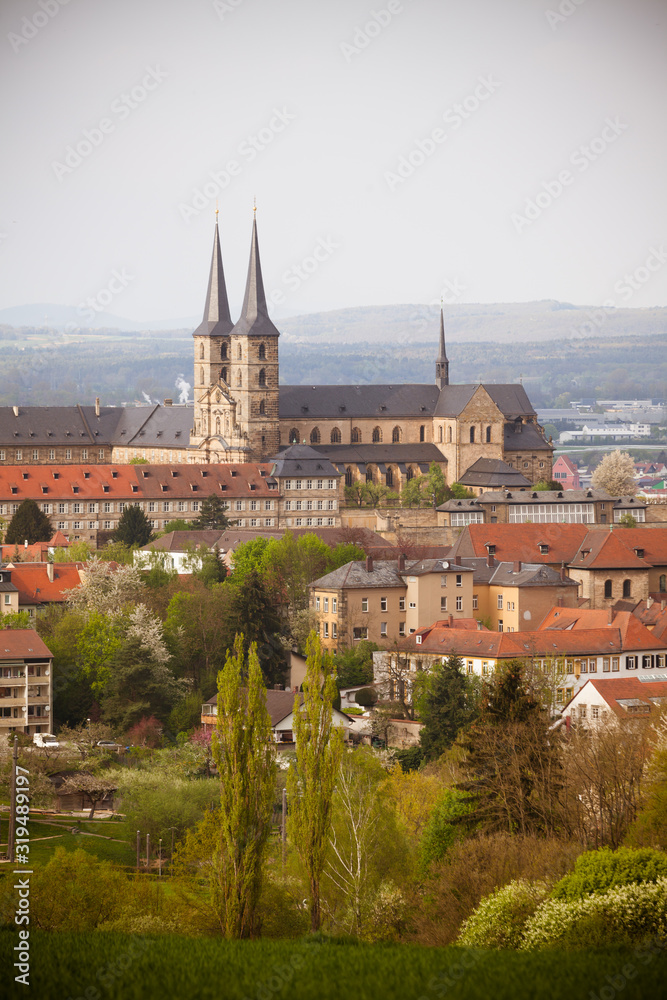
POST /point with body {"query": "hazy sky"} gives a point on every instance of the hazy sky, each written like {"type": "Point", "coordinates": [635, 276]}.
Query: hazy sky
{"type": "Point", "coordinates": [490, 150]}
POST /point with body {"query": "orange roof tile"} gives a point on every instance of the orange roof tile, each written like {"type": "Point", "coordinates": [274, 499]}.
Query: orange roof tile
{"type": "Point", "coordinates": [33, 584]}
{"type": "Point", "coordinates": [607, 550]}
{"type": "Point", "coordinates": [23, 642]}
{"type": "Point", "coordinates": [521, 541]}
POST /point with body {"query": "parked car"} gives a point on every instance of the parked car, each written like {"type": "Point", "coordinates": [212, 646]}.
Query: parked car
{"type": "Point", "coordinates": [46, 740]}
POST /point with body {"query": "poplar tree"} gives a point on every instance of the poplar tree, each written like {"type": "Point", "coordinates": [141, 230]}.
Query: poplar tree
{"type": "Point", "coordinates": [242, 750]}
{"type": "Point", "coordinates": [311, 779]}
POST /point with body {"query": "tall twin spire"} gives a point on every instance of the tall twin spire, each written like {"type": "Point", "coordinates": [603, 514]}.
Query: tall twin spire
{"type": "Point", "coordinates": [254, 320]}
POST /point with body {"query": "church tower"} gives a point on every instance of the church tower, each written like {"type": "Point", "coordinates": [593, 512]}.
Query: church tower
{"type": "Point", "coordinates": [236, 370]}
{"type": "Point", "coordinates": [441, 362]}
{"type": "Point", "coordinates": [253, 366]}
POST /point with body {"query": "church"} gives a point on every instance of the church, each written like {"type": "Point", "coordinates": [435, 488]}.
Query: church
{"type": "Point", "coordinates": [480, 435]}
{"type": "Point", "coordinates": [387, 433]}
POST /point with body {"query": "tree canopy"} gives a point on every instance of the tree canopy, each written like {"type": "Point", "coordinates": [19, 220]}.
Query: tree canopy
{"type": "Point", "coordinates": [133, 527]}
{"type": "Point", "coordinates": [615, 474]}
{"type": "Point", "coordinates": [30, 524]}
{"type": "Point", "coordinates": [212, 514]}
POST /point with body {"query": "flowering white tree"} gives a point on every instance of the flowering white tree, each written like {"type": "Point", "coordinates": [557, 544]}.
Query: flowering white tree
{"type": "Point", "coordinates": [147, 628]}
{"type": "Point", "coordinates": [615, 474]}
{"type": "Point", "coordinates": [105, 588]}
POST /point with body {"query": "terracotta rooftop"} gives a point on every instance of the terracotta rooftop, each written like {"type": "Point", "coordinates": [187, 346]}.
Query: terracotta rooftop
{"type": "Point", "coordinates": [522, 541]}
{"type": "Point", "coordinates": [23, 642]}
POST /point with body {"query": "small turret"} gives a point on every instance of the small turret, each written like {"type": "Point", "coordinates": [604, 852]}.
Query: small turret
{"type": "Point", "coordinates": [441, 362]}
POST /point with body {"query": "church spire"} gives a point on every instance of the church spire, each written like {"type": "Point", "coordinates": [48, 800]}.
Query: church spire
{"type": "Point", "coordinates": [217, 321]}
{"type": "Point", "coordinates": [441, 362]}
{"type": "Point", "coordinates": [254, 320]}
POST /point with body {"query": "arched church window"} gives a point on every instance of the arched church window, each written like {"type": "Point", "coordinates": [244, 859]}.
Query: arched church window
{"type": "Point", "coordinates": [201, 351]}
{"type": "Point", "coordinates": [315, 435]}
{"type": "Point", "coordinates": [377, 435]}
{"type": "Point", "coordinates": [422, 433]}
{"type": "Point", "coordinates": [627, 588]}
{"type": "Point", "coordinates": [239, 378]}
{"type": "Point", "coordinates": [262, 377]}
{"type": "Point", "coordinates": [662, 584]}
{"type": "Point", "coordinates": [348, 476]}
{"type": "Point", "coordinates": [355, 436]}
{"type": "Point", "coordinates": [369, 474]}
{"type": "Point", "coordinates": [201, 375]}
{"type": "Point", "coordinates": [293, 436]}
{"type": "Point", "coordinates": [262, 407]}
{"type": "Point", "coordinates": [396, 435]}
{"type": "Point", "coordinates": [217, 425]}
{"type": "Point", "coordinates": [223, 375]}
{"type": "Point", "coordinates": [389, 478]}
{"type": "Point", "coordinates": [472, 435]}
{"type": "Point", "coordinates": [488, 435]}
{"type": "Point", "coordinates": [223, 350]}
{"type": "Point", "coordinates": [239, 353]}
{"type": "Point", "coordinates": [449, 435]}
{"type": "Point", "coordinates": [261, 352]}
{"type": "Point", "coordinates": [440, 433]}
{"type": "Point", "coordinates": [607, 588]}
{"type": "Point", "coordinates": [409, 473]}
{"type": "Point", "coordinates": [335, 436]}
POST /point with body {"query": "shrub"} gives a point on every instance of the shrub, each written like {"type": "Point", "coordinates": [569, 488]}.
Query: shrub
{"type": "Point", "coordinates": [622, 916]}
{"type": "Point", "coordinates": [442, 831]}
{"type": "Point", "coordinates": [499, 920]}
{"type": "Point", "coordinates": [77, 892]}
{"type": "Point", "coordinates": [366, 697]}
{"type": "Point", "coordinates": [598, 871]}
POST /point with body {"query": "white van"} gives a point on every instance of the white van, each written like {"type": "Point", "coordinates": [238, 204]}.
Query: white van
{"type": "Point", "coordinates": [45, 740]}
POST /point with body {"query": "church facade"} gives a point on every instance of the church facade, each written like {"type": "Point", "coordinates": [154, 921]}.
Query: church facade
{"type": "Point", "coordinates": [241, 413]}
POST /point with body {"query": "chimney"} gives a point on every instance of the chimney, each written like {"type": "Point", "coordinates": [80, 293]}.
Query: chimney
{"type": "Point", "coordinates": [490, 560]}
{"type": "Point", "coordinates": [611, 615]}
{"type": "Point", "coordinates": [563, 574]}
{"type": "Point", "coordinates": [649, 602]}
{"type": "Point", "coordinates": [168, 402]}
{"type": "Point", "coordinates": [560, 603]}
{"type": "Point", "coordinates": [401, 562]}
{"type": "Point", "coordinates": [97, 406]}
{"type": "Point", "coordinates": [49, 571]}
{"type": "Point", "coordinates": [457, 560]}
{"type": "Point", "coordinates": [517, 566]}
{"type": "Point", "coordinates": [369, 564]}
{"type": "Point", "coordinates": [16, 410]}
{"type": "Point", "coordinates": [25, 543]}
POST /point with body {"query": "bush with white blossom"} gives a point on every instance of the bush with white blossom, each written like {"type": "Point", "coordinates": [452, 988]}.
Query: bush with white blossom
{"type": "Point", "coordinates": [499, 919]}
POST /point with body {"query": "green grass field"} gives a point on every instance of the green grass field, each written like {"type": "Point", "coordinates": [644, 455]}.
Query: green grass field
{"type": "Point", "coordinates": [46, 836]}
{"type": "Point", "coordinates": [117, 967]}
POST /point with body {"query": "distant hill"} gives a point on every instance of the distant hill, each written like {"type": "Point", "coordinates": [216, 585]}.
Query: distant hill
{"type": "Point", "coordinates": [394, 324]}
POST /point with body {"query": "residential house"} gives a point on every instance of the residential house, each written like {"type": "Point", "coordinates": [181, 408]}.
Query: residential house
{"type": "Point", "coordinates": [601, 701]}
{"type": "Point", "coordinates": [280, 705]}
{"type": "Point", "coordinates": [34, 586]}
{"type": "Point", "coordinates": [26, 683]}
{"type": "Point", "coordinates": [382, 600]}
{"type": "Point", "coordinates": [570, 655]}
{"type": "Point", "coordinates": [515, 596]}
{"type": "Point", "coordinates": [565, 473]}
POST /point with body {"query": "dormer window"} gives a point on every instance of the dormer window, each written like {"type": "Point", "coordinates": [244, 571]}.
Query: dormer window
{"type": "Point", "coordinates": [639, 553]}
{"type": "Point", "coordinates": [491, 549]}
{"type": "Point", "coordinates": [204, 473]}
{"type": "Point", "coordinates": [114, 474]}
{"type": "Point", "coordinates": [25, 475]}
{"type": "Point", "coordinates": [544, 549]}
{"type": "Point", "coordinates": [75, 489]}
{"type": "Point", "coordinates": [45, 489]}
{"type": "Point", "coordinates": [163, 487]}
{"type": "Point", "coordinates": [86, 475]}
{"type": "Point", "coordinates": [135, 488]}
{"type": "Point", "coordinates": [194, 487]}
{"type": "Point", "coordinates": [105, 488]}
{"type": "Point", "coordinates": [56, 475]}
{"type": "Point", "coordinates": [173, 473]}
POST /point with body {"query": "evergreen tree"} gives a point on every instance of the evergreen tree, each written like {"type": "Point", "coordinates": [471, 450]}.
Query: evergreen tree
{"type": "Point", "coordinates": [212, 514]}
{"type": "Point", "coordinates": [242, 751]}
{"type": "Point", "coordinates": [311, 779]}
{"type": "Point", "coordinates": [511, 767]}
{"type": "Point", "coordinates": [29, 523]}
{"type": "Point", "coordinates": [251, 613]}
{"type": "Point", "coordinates": [446, 707]}
{"type": "Point", "coordinates": [133, 527]}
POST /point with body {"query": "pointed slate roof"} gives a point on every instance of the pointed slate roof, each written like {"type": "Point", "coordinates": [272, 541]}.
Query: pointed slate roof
{"type": "Point", "coordinates": [217, 321]}
{"type": "Point", "coordinates": [442, 353]}
{"type": "Point", "coordinates": [254, 320]}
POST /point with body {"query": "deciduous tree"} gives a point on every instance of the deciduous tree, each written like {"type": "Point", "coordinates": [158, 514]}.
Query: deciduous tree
{"type": "Point", "coordinates": [311, 779]}
{"type": "Point", "coordinates": [615, 474]}
{"type": "Point", "coordinates": [242, 751]}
